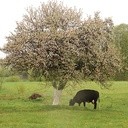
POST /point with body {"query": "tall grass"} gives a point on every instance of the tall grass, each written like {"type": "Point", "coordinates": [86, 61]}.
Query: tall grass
{"type": "Point", "coordinates": [17, 111]}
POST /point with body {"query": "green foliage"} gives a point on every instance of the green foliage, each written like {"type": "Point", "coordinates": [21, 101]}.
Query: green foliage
{"type": "Point", "coordinates": [5, 72]}
{"type": "Point", "coordinates": [121, 39]}
{"type": "Point", "coordinates": [35, 75]}
{"type": "Point", "coordinates": [23, 113]}
{"type": "Point", "coordinates": [2, 75]}
{"type": "Point", "coordinates": [13, 79]}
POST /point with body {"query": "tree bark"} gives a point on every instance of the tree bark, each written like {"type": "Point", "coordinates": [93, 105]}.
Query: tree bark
{"type": "Point", "coordinates": [56, 96]}
{"type": "Point", "coordinates": [58, 87]}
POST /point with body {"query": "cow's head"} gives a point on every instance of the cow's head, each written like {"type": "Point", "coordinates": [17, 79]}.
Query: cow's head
{"type": "Point", "coordinates": [71, 102]}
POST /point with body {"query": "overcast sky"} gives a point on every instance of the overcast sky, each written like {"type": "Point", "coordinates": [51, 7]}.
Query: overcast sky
{"type": "Point", "coordinates": [13, 10]}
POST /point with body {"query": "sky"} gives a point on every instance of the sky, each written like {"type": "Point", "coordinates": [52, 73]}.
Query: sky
{"type": "Point", "coordinates": [12, 11]}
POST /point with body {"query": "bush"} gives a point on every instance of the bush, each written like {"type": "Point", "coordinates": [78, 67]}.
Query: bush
{"type": "Point", "coordinates": [39, 79]}
{"type": "Point", "coordinates": [13, 79]}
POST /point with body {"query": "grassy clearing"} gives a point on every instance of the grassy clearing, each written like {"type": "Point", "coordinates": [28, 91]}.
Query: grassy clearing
{"type": "Point", "coordinates": [16, 111]}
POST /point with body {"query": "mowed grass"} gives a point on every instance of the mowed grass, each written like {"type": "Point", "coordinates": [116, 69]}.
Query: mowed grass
{"type": "Point", "coordinates": [17, 111]}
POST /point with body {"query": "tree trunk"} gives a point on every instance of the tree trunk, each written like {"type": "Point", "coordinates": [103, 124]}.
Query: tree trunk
{"type": "Point", "coordinates": [58, 87]}
{"type": "Point", "coordinates": [56, 96]}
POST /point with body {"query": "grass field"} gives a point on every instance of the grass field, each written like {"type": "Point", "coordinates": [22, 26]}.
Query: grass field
{"type": "Point", "coordinates": [17, 111]}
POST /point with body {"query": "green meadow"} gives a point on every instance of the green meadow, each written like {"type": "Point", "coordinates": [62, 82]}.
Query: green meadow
{"type": "Point", "coordinates": [17, 111]}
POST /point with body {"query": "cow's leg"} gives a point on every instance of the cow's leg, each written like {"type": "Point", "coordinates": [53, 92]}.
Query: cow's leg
{"type": "Point", "coordinates": [84, 104]}
{"type": "Point", "coordinates": [95, 104]}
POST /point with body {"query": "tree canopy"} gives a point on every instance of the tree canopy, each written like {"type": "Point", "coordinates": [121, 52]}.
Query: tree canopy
{"type": "Point", "coordinates": [54, 40]}
{"type": "Point", "coordinates": [121, 39]}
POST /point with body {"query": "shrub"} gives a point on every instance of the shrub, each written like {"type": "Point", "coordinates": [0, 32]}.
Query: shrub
{"type": "Point", "coordinates": [13, 79]}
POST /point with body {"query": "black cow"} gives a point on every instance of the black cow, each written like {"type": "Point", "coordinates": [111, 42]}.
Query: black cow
{"type": "Point", "coordinates": [85, 96]}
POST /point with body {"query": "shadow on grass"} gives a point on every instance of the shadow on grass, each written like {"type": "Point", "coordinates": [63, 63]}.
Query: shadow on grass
{"type": "Point", "coordinates": [25, 105]}
{"type": "Point", "coordinates": [44, 108]}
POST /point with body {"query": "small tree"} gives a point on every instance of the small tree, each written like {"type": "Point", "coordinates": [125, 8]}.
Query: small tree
{"type": "Point", "coordinates": [54, 41]}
